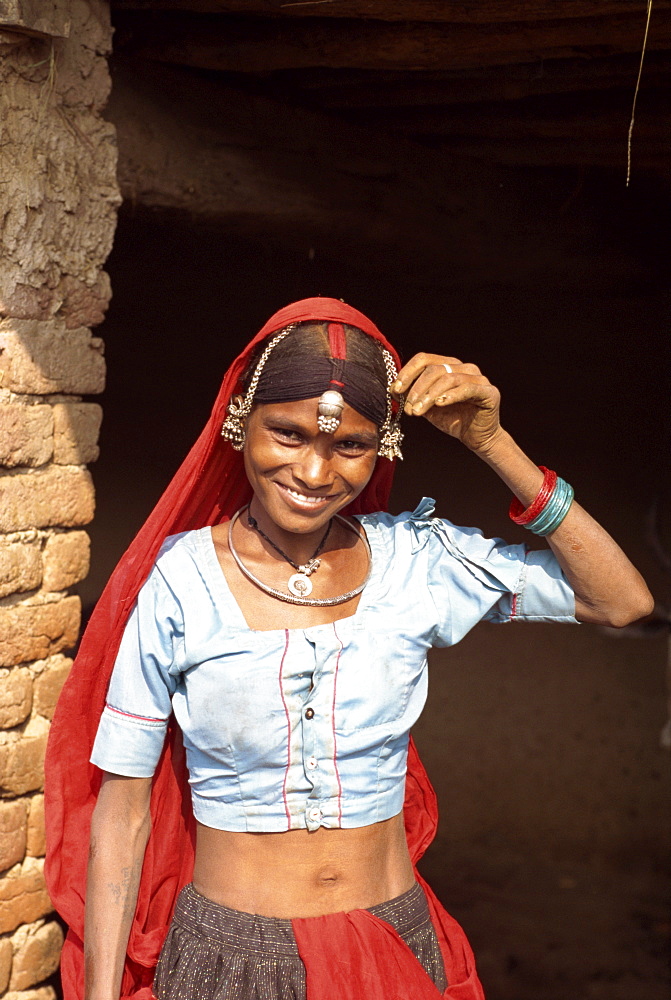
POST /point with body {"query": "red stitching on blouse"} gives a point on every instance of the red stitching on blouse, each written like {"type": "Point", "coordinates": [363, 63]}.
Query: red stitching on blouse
{"type": "Point", "coordinates": [335, 765]}
{"type": "Point", "coordinates": [286, 712]}
{"type": "Point", "coordinates": [129, 715]}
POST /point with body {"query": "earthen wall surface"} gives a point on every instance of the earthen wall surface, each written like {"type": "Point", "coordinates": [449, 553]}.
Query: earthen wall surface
{"type": "Point", "coordinates": [58, 200]}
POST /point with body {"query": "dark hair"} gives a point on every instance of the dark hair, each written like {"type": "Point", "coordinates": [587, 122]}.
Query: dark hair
{"type": "Point", "coordinates": [309, 340]}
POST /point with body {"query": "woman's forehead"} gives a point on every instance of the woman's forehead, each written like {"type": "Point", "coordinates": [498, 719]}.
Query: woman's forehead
{"type": "Point", "coordinates": [304, 412]}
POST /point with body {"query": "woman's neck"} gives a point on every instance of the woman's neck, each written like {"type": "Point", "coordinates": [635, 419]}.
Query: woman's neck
{"type": "Point", "coordinates": [299, 547]}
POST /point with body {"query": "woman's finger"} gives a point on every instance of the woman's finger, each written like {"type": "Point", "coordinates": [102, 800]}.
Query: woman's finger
{"type": "Point", "coordinates": [431, 374]}
{"type": "Point", "coordinates": [434, 384]}
{"type": "Point", "coordinates": [416, 366]}
{"type": "Point", "coordinates": [449, 389]}
{"type": "Point", "coordinates": [470, 369]}
{"type": "Point", "coordinates": [480, 393]}
{"type": "Point", "coordinates": [424, 384]}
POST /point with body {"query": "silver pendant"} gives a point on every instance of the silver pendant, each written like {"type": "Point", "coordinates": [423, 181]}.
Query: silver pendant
{"type": "Point", "coordinates": [316, 602]}
{"type": "Point", "coordinates": [300, 585]}
{"type": "Point", "coordinates": [307, 569]}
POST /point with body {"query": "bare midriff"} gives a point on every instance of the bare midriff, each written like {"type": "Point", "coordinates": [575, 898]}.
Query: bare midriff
{"type": "Point", "coordinates": [303, 874]}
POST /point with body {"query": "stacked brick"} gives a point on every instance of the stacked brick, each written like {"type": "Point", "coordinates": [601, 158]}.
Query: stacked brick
{"type": "Point", "coordinates": [58, 203]}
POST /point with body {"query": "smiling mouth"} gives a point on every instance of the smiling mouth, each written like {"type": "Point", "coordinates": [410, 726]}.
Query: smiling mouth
{"type": "Point", "coordinates": [302, 498]}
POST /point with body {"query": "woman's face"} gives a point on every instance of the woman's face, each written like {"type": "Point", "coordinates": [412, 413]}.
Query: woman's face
{"type": "Point", "coordinates": [301, 476]}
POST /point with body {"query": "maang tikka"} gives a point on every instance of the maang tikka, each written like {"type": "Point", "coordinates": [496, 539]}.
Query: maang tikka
{"type": "Point", "coordinates": [329, 408]}
{"type": "Point", "coordinates": [330, 405]}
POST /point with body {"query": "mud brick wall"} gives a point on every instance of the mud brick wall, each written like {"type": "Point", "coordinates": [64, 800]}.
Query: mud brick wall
{"type": "Point", "coordinates": [58, 199]}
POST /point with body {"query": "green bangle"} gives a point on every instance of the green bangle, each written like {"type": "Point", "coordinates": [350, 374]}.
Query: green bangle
{"type": "Point", "coordinates": [555, 510]}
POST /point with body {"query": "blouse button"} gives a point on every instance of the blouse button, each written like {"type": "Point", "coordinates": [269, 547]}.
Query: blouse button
{"type": "Point", "coordinates": [309, 713]}
{"type": "Point", "coordinates": [315, 814]}
{"type": "Point", "coordinates": [312, 763]}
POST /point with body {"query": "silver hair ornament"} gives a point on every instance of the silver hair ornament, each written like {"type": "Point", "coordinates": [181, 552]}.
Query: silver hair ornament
{"type": "Point", "coordinates": [390, 432]}
{"type": "Point", "coordinates": [329, 408]}
{"type": "Point", "coordinates": [239, 408]}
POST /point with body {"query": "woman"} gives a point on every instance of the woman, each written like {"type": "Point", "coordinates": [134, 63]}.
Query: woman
{"type": "Point", "coordinates": [290, 642]}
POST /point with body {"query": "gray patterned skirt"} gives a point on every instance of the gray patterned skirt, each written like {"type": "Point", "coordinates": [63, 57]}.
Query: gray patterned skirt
{"type": "Point", "coordinates": [214, 953]}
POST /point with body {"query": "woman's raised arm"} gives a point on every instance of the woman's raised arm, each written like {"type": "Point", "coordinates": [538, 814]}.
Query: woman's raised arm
{"type": "Point", "coordinates": [119, 832]}
{"type": "Point", "coordinates": [461, 402]}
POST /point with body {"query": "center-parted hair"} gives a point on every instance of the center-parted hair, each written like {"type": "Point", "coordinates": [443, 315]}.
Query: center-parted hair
{"type": "Point", "coordinates": [302, 365]}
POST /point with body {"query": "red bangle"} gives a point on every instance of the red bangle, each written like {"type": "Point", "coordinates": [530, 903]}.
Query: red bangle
{"type": "Point", "coordinates": [519, 515]}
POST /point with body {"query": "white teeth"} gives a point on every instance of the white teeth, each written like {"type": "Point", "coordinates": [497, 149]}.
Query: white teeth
{"type": "Point", "coordinates": [303, 498]}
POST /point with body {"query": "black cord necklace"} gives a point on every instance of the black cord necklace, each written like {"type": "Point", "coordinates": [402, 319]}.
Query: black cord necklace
{"type": "Point", "coordinates": [299, 584]}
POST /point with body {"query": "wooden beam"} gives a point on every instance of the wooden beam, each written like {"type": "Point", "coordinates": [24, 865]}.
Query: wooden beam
{"type": "Point", "coordinates": [275, 173]}
{"type": "Point", "coordinates": [452, 11]}
{"type": "Point", "coordinates": [37, 17]}
{"type": "Point", "coordinates": [249, 45]}
{"type": "Point", "coordinates": [342, 90]}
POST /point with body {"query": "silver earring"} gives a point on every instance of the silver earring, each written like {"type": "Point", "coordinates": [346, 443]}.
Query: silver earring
{"type": "Point", "coordinates": [239, 407]}
{"type": "Point", "coordinates": [233, 427]}
{"type": "Point", "coordinates": [390, 432]}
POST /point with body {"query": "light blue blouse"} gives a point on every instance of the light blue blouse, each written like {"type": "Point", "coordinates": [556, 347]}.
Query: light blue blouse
{"type": "Point", "coordinates": [301, 728]}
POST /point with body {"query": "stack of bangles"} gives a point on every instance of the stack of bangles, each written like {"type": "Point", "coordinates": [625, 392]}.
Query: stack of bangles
{"type": "Point", "coordinates": [549, 508]}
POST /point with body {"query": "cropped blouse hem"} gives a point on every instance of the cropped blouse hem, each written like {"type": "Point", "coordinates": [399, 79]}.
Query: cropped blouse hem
{"type": "Point", "coordinates": [365, 810]}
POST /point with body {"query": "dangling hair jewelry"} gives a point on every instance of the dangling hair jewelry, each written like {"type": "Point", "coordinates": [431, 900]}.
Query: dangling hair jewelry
{"type": "Point", "coordinates": [239, 408]}
{"type": "Point", "coordinates": [390, 432]}
{"type": "Point", "coordinates": [330, 406]}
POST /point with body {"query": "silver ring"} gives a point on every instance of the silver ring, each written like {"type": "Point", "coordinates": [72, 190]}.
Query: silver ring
{"type": "Point", "coordinates": [448, 368]}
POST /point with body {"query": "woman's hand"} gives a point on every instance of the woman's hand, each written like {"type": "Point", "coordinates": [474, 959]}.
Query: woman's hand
{"type": "Point", "coordinates": [608, 589]}
{"type": "Point", "coordinates": [461, 402]}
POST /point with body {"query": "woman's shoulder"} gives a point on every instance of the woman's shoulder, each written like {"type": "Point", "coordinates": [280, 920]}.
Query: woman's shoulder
{"type": "Point", "coordinates": [188, 540]}
{"type": "Point", "coordinates": [419, 529]}
{"type": "Point", "coordinates": [420, 517]}
{"type": "Point", "coordinates": [404, 533]}
{"type": "Point", "coordinates": [182, 552]}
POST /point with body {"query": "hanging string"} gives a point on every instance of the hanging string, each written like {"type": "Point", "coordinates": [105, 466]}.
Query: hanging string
{"type": "Point", "coordinates": [638, 84]}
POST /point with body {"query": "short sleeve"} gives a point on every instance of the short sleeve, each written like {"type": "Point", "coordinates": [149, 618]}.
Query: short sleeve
{"type": "Point", "coordinates": [541, 594]}
{"type": "Point", "coordinates": [472, 578]}
{"type": "Point", "coordinates": [133, 724]}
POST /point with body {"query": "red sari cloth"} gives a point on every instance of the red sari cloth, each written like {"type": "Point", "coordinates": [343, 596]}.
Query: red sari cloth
{"type": "Point", "coordinates": [207, 489]}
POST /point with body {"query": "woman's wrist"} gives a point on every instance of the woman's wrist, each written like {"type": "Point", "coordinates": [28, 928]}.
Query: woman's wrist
{"type": "Point", "coordinates": [495, 446]}
{"type": "Point", "coordinates": [505, 457]}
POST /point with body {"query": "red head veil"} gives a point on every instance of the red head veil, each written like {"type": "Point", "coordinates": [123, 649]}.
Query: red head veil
{"type": "Point", "coordinates": [209, 487]}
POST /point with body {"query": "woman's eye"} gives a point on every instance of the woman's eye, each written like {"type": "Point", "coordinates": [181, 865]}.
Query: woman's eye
{"type": "Point", "coordinates": [352, 446]}
{"type": "Point", "coordinates": [286, 434]}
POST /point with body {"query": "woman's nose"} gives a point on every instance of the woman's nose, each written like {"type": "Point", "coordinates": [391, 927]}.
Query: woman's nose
{"type": "Point", "coordinates": [314, 471]}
